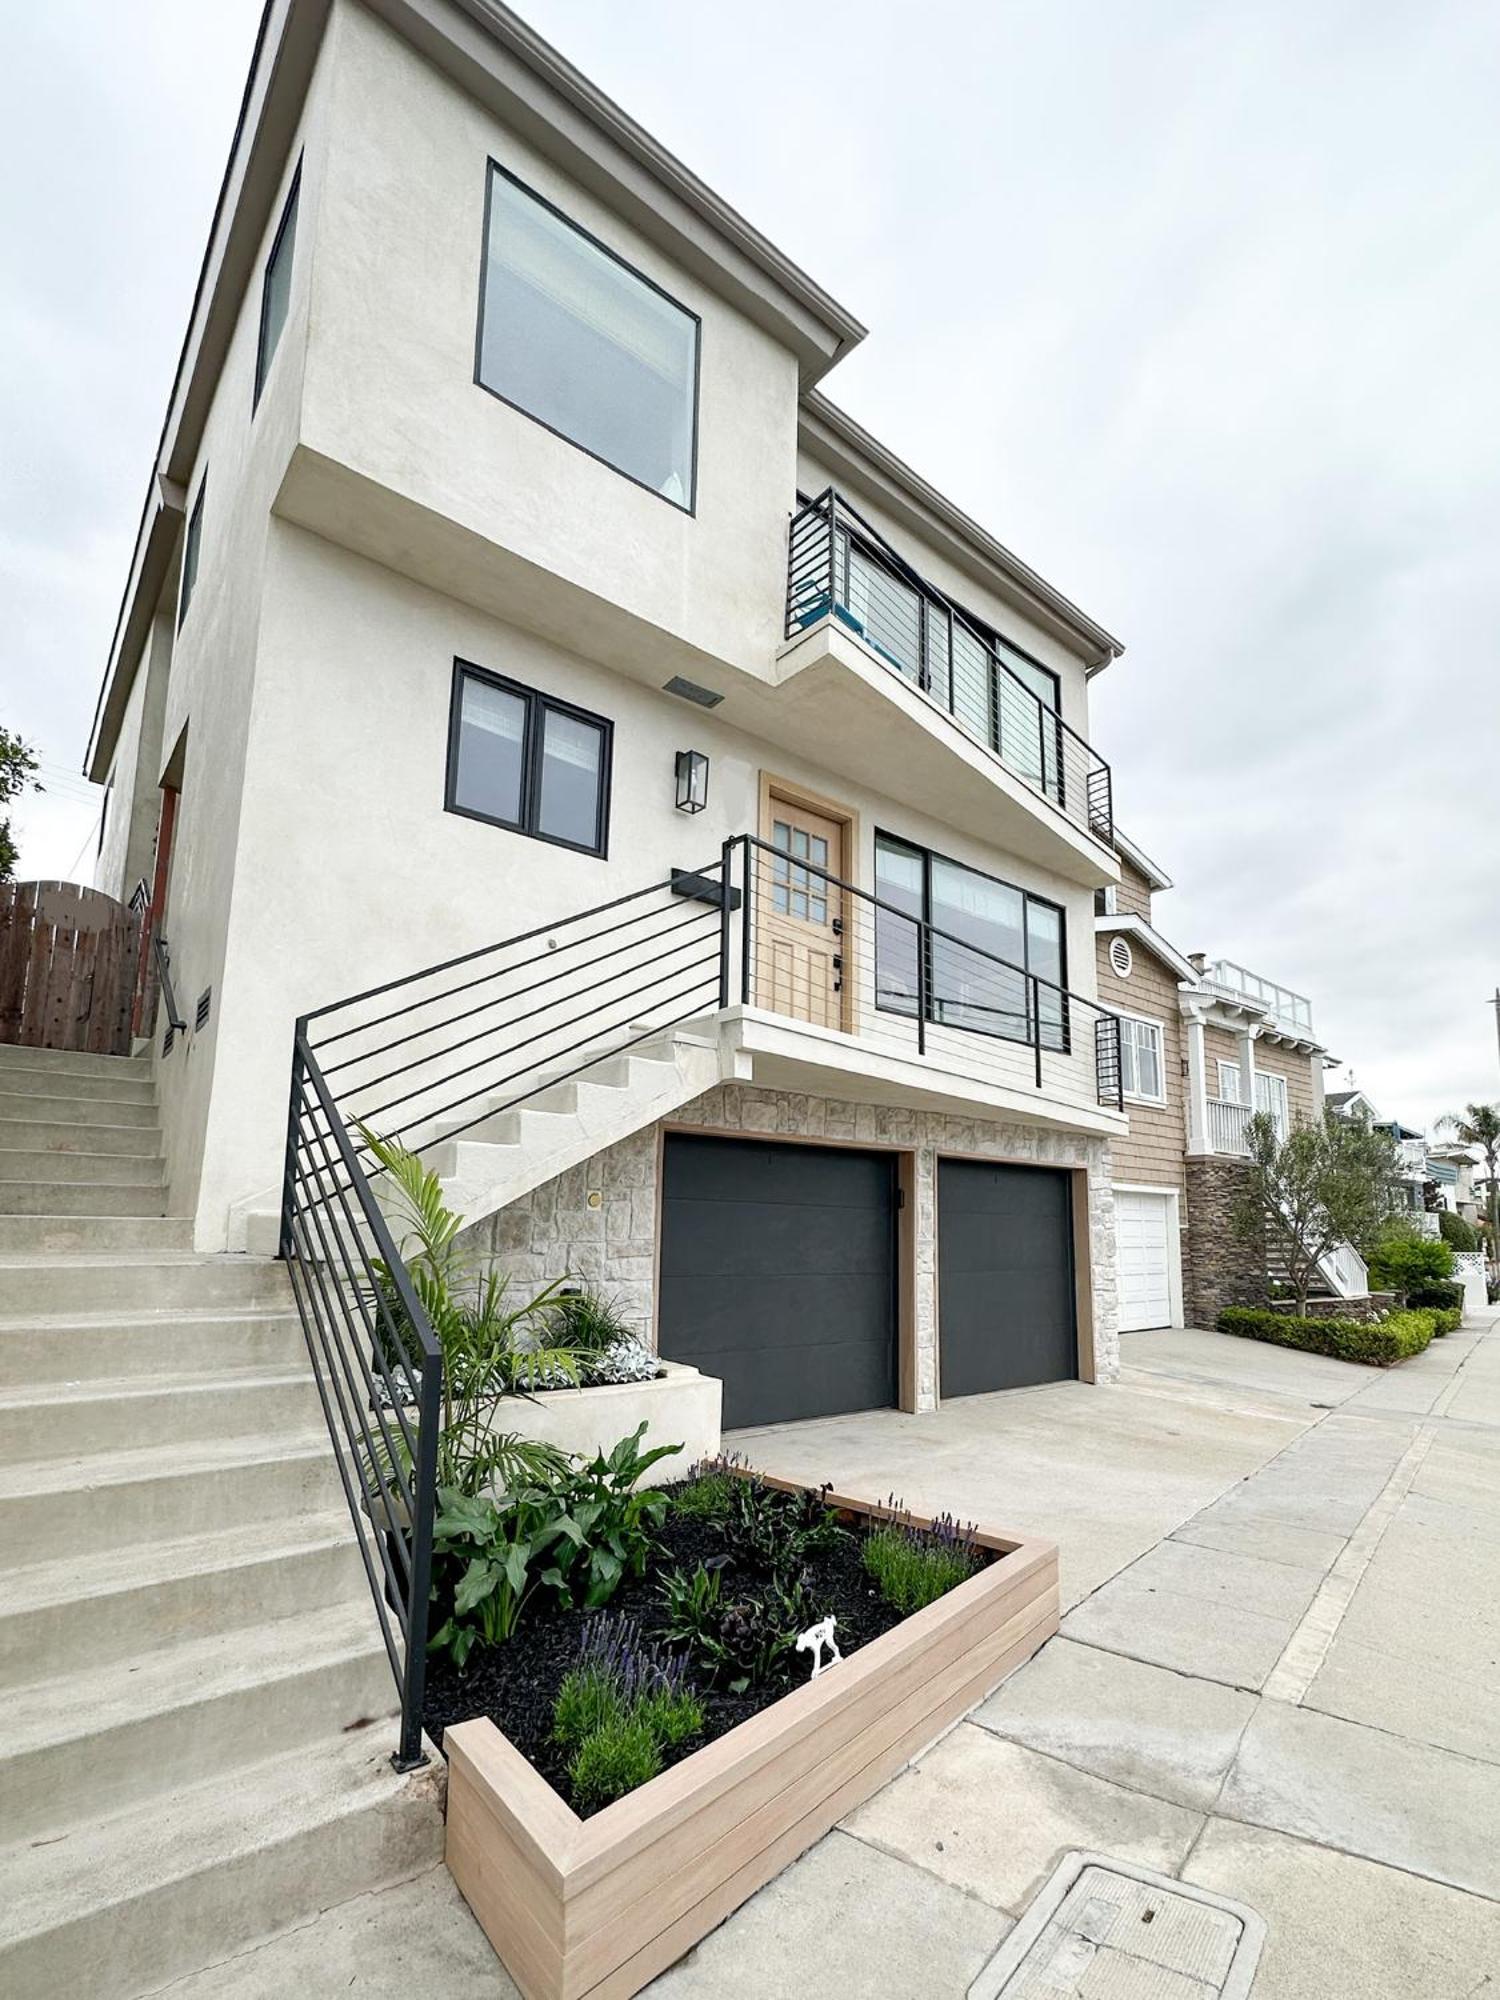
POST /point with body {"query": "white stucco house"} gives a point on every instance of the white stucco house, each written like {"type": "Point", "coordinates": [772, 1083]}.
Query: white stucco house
{"type": "Point", "coordinates": [504, 557]}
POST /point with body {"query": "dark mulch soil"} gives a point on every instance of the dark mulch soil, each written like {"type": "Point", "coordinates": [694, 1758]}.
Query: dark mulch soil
{"type": "Point", "coordinates": [515, 1684]}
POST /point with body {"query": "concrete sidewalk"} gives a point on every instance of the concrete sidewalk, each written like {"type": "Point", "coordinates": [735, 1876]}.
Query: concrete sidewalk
{"type": "Point", "coordinates": [1278, 1677]}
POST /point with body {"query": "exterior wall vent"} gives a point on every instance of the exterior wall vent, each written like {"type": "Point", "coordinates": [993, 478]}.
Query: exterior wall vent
{"type": "Point", "coordinates": [205, 1002]}
{"type": "Point", "coordinates": [1121, 958]}
{"type": "Point", "coordinates": [691, 691]}
{"type": "Point", "coordinates": [168, 1041]}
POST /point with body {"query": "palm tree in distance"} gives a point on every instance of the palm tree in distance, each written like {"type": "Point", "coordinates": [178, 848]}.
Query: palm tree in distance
{"type": "Point", "coordinates": [1479, 1125]}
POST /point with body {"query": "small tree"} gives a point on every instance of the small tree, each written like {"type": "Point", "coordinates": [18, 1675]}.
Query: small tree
{"type": "Point", "coordinates": [1457, 1233]}
{"type": "Point", "coordinates": [1480, 1126]}
{"type": "Point", "coordinates": [17, 769]}
{"type": "Point", "coordinates": [1404, 1259]}
{"type": "Point", "coordinates": [1324, 1184]}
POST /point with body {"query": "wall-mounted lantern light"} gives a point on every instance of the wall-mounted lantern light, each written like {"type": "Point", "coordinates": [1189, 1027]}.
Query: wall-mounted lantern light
{"type": "Point", "coordinates": [692, 781]}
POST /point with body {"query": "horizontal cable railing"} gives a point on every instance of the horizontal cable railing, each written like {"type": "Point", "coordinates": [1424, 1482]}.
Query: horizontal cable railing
{"type": "Point", "coordinates": [812, 946]}
{"type": "Point", "coordinates": [839, 565]}
{"type": "Point", "coordinates": [455, 1048]}
{"type": "Point", "coordinates": [420, 1060]}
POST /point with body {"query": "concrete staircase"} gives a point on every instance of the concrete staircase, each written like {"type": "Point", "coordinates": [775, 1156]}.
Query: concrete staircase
{"type": "Point", "coordinates": [196, 1751]}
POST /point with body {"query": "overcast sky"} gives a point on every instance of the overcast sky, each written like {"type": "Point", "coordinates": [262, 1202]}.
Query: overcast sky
{"type": "Point", "coordinates": [1197, 308]}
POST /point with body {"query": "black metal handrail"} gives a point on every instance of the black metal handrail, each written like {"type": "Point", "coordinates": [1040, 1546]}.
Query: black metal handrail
{"type": "Point", "coordinates": [930, 642]}
{"type": "Point", "coordinates": [378, 1367]}
{"type": "Point", "coordinates": [435, 1054]}
{"type": "Point", "coordinates": [1046, 1008]}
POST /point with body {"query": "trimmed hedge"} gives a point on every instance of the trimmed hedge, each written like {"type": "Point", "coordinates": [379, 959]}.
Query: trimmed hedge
{"type": "Point", "coordinates": [1377, 1343]}
{"type": "Point", "coordinates": [1439, 1292]}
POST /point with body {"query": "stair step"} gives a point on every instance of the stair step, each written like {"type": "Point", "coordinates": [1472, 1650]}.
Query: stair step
{"type": "Point", "coordinates": [76, 1105]}
{"type": "Point", "coordinates": [50, 1135]}
{"type": "Point", "coordinates": [111, 1346]}
{"type": "Point", "coordinates": [51, 1508]}
{"type": "Point", "coordinates": [149, 1282]}
{"type": "Point", "coordinates": [88, 1235]}
{"type": "Point", "coordinates": [121, 1907]}
{"type": "Point", "coordinates": [77, 1419]}
{"type": "Point", "coordinates": [22, 1165]}
{"type": "Point", "coordinates": [85, 1610]}
{"type": "Point", "coordinates": [16, 1061]}
{"type": "Point", "coordinates": [78, 1746]}
{"type": "Point", "coordinates": [83, 1198]}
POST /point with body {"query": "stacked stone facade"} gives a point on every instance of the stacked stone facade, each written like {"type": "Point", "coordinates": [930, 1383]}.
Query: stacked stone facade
{"type": "Point", "coordinates": [1219, 1268]}
{"type": "Point", "coordinates": [598, 1221]}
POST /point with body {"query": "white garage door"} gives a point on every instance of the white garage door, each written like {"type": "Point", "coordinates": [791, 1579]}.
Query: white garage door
{"type": "Point", "coordinates": [1143, 1224]}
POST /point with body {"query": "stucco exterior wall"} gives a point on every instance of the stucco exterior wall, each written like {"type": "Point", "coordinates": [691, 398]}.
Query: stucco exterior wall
{"type": "Point", "coordinates": [557, 1231]}
{"type": "Point", "coordinates": [129, 847]}
{"type": "Point", "coordinates": [1152, 1153]}
{"type": "Point", "coordinates": [391, 393]}
{"type": "Point", "coordinates": [343, 812]}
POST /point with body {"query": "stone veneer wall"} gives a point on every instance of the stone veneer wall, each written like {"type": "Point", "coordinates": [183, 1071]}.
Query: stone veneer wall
{"type": "Point", "coordinates": [1218, 1268]}
{"type": "Point", "coordinates": [598, 1220]}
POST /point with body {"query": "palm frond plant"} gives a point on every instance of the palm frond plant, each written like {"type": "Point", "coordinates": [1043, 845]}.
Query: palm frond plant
{"type": "Point", "coordinates": [491, 1345]}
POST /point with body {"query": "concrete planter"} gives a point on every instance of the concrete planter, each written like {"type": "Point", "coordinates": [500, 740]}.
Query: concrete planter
{"type": "Point", "coordinates": [679, 1406]}
{"type": "Point", "coordinates": [594, 1909]}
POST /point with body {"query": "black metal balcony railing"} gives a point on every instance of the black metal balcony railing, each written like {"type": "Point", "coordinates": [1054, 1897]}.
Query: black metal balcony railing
{"type": "Point", "coordinates": [839, 565]}
{"type": "Point", "coordinates": [447, 1050]}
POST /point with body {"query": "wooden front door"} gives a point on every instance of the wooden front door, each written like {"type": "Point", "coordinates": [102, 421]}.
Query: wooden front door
{"type": "Point", "coordinates": [800, 967]}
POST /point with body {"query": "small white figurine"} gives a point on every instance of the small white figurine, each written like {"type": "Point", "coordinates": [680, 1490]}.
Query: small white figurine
{"type": "Point", "coordinates": [814, 1639]}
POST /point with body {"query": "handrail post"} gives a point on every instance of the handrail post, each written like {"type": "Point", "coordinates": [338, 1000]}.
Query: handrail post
{"type": "Point", "coordinates": [924, 983]}
{"type": "Point", "coordinates": [726, 858]}
{"type": "Point", "coordinates": [293, 1125]}
{"type": "Point", "coordinates": [1036, 1026]}
{"type": "Point", "coordinates": [748, 850]}
{"type": "Point", "coordinates": [833, 553]}
{"type": "Point", "coordinates": [409, 1753]}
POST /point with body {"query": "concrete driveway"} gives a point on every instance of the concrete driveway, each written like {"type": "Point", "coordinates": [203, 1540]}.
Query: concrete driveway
{"type": "Point", "coordinates": [1278, 1677]}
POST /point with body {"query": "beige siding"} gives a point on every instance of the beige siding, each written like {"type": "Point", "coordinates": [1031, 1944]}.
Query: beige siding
{"type": "Point", "coordinates": [1152, 1154]}
{"type": "Point", "coordinates": [1221, 1046]}
{"type": "Point", "coordinates": [1133, 897]}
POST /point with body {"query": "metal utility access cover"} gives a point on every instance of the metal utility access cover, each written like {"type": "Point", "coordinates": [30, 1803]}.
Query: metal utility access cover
{"type": "Point", "coordinates": [1106, 1930]}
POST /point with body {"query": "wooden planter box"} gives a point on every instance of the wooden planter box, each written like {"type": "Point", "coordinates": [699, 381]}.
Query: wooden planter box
{"type": "Point", "coordinates": [599, 1907]}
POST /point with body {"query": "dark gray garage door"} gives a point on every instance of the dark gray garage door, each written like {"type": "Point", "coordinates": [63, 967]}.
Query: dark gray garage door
{"type": "Point", "coordinates": [778, 1274]}
{"type": "Point", "coordinates": [1005, 1277]}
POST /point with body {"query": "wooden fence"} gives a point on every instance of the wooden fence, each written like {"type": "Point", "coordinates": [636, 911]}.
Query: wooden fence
{"type": "Point", "coordinates": [69, 960]}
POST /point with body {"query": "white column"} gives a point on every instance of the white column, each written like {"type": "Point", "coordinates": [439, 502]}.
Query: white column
{"type": "Point", "coordinates": [1247, 1066]}
{"type": "Point", "coordinates": [1197, 1090]}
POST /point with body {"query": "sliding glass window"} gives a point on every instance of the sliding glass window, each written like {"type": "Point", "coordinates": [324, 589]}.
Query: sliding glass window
{"type": "Point", "coordinates": [574, 337]}
{"type": "Point", "coordinates": [985, 936]}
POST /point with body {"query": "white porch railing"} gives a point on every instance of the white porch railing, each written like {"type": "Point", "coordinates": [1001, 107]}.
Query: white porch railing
{"type": "Point", "coordinates": [1227, 1121]}
{"type": "Point", "coordinates": [1346, 1272]}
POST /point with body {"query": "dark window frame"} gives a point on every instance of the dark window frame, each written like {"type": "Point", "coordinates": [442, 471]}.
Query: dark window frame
{"type": "Point", "coordinates": [927, 856]}
{"type": "Point", "coordinates": [264, 362]}
{"type": "Point", "coordinates": [537, 702]}
{"type": "Point", "coordinates": [192, 551]}
{"type": "Point", "coordinates": [493, 167]}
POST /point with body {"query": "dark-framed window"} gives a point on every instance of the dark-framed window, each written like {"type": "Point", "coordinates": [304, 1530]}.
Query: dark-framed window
{"type": "Point", "coordinates": [276, 286]}
{"type": "Point", "coordinates": [527, 761]}
{"type": "Point", "coordinates": [192, 543]}
{"type": "Point", "coordinates": [975, 919]}
{"type": "Point", "coordinates": [573, 336]}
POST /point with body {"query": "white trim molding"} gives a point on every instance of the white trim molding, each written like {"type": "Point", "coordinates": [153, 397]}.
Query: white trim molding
{"type": "Point", "coordinates": [1159, 1028]}
{"type": "Point", "coordinates": [1128, 924]}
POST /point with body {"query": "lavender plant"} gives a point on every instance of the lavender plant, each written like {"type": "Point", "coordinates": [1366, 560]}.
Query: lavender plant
{"type": "Point", "coordinates": [912, 1565]}
{"type": "Point", "coordinates": [624, 1701]}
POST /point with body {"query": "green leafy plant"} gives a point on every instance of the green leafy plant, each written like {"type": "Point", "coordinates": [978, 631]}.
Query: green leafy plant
{"type": "Point", "coordinates": [1457, 1233]}
{"type": "Point", "coordinates": [912, 1565]}
{"type": "Point", "coordinates": [1403, 1261]}
{"type": "Point", "coordinates": [492, 1553]}
{"type": "Point", "coordinates": [1377, 1343]}
{"type": "Point", "coordinates": [623, 1702]}
{"type": "Point", "coordinates": [613, 1519]}
{"type": "Point", "coordinates": [587, 1322]}
{"type": "Point", "coordinates": [18, 766]}
{"type": "Point", "coordinates": [1441, 1295]}
{"type": "Point", "coordinates": [707, 1491]}
{"type": "Point", "coordinates": [738, 1636]}
{"type": "Point", "coordinates": [1323, 1184]}
{"type": "Point", "coordinates": [489, 1344]}
{"type": "Point", "coordinates": [773, 1533]}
